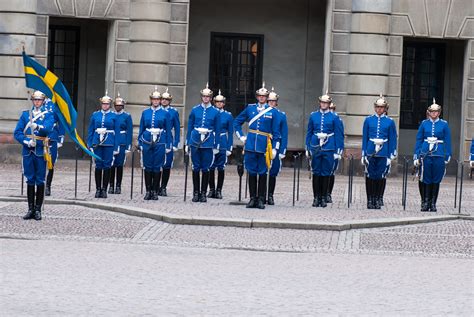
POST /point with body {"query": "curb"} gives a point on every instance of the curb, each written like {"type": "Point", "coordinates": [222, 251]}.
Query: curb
{"type": "Point", "coordinates": [249, 223]}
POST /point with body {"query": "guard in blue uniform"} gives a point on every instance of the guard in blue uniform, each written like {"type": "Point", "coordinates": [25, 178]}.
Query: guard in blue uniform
{"type": "Point", "coordinates": [471, 163]}
{"type": "Point", "coordinates": [324, 144]}
{"type": "Point", "coordinates": [332, 108]}
{"type": "Point", "coordinates": [154, 139]}
{"type": "Point", "coordinates": [261, 144]}
{"type": "Point", "coordinates": [56, 140]}
{"type": "Point", "coordinates": [276, 162]}
{"type": "Point", "coordinates": [432, 153]}
{"type": "Point", "coordinates": [379, 148]}
{"type": "Point", "coordinates": [103, 139]}
{"type": "Point", "coordinates": [202, 140]}
{"type": "Point", "coordinates": [226, 122]}
{"type": "Point", "coordinates": [125, 142]}
{"type": "Point", "coordinates": [166, 99]}
{"type": "Point", "coordinates": [32, 132]}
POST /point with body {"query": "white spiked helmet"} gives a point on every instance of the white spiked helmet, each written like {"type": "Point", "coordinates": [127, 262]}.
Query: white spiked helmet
{"type": "Point", "coordinates": [119, 101]}
{"type": "Point", "coordinates": [434, 106]}
{"type": "Point", "coordinates": [206, 92]}
{"type": "Point", "coordinates": [38, 95]}
{"type": "Point", "coordinates": [166, 95]}
{"type": "Point", "coordinates": [262, 91]}
{"type": "Point", "coordinates": [219, 97]}
{"type": "Point", "coordinates": [325, 98]}
{"type": "Point", "coordinates": [273, 96]}
{"type": "Point", "coordinates": [155, 94]}
{"type": "Point", "coordinates": [105, 98]}
{"type": "Point", "coordinates": [381, 101]}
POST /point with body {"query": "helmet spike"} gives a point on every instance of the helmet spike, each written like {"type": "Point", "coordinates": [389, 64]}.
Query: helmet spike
{"type": "Point", "coordinates": [166, 89]}
{"type": "Point", "coordinates": [106, 92]}
{"type": "Point", "coordinates": [207, 85]}
{"type": "Point", "coordinates": [263, 84]}
{"type": "Point", "coordinates": [118, 93]}
{"type": "Point", "coordinates": [381, 95]}
{"type": "Point", "coordinates": [434, 100]}
{"type": "Point", "coordinates": [220, 92]}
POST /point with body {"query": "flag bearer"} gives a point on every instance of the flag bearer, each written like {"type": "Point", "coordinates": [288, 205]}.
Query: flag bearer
{"type": "Point", "coordinates": [32, 132]}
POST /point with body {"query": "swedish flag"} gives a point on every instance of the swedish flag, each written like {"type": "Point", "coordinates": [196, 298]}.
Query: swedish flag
{"type": "Point", "coordinates": [39, 78]}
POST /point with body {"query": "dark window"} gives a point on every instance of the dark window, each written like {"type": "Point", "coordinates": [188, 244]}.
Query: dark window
{"type": "Point", "coordinates": [422, 80]}
{"type": "Point", "coordinates": [63, 56]}
{"type": "Point", "coordinates": [235, 67]}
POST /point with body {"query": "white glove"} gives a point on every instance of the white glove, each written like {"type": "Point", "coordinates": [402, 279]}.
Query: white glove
{"type": "Point", "coordinates": [60, 145]}
{"type": "Point", "coordinates": [127, 150]}
{"type": "Point", "coordinates": [364, 160]}
{"type": "Point", "coordinates": [307, 153]}
{"type": "Point", "coordinates": [449, 159]}
{"type": "Point", "coordinates": [215, 151]}
{"type": "Point", "coordinates": [116, 152]}
{"type": "Point", "coordinates": [281, 156]}
{"type": "Point", "coordinates": [243, 138]}
{"type": "Point", "coordinates": [167, 151]}
{"type": "Point", "coordinates": [337, 156]}
{"type": "Point", "coordinates": [175, 149]}
{"type": "Point", "coordinates": [91, 149]}
{"type": "Point", "coordinates": [31, 143]}
{"type": "Point", "coordinates": [471, 163]}
{"type": "Point", "coordinates": [389, 161]}
{"type": "Point", "coordinates": [274, 153]}
{"type": "Point", "coordinates": [33, 126]}
{"type": "Point", "coordinates": [416, 163]}
{"type": "Point", "coordinates": [228, 153]}
{"type": "Point", "coordinates": [186, 149]}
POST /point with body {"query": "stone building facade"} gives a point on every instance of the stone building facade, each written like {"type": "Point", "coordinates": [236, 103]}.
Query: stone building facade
{"type": "Point", "coordinates": [355, 49]}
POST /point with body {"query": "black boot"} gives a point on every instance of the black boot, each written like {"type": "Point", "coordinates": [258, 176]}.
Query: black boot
{"type": "Point", "coordinates": [262, 191]}
{"type": "Point", "coordinates": [434, 197]}
{"type": "Point", "coordinates": [105, 183]}
{"type": "Point", "coordinates": [220, 183]}
{"type": "Point", "coordinates": [30, 193]}
{"type": "Point", "coordinates": [148, 184]}
{"type": "Point", "coordinates": [421, 189]}
{"type": "Point", "coordinates": [377, 192]}
{"type": "Point", "coordinates": [369, 189]}
{"type": "Point", "coordinates": [204, 184]}
{"type": "Point", "coordinates": [384, 184]}
{"type": "Point", "coordinates": [156, 185]}
{"type": "Point", "coordinates": [212, 185]}
{"type": "Point", "coordinates": [324, 190]}
{"type": "Point", "coordinates": [49, 180]}
{"type": "Point", "coordinates": [39, 201]}
{"type": "Point", "coordinates": [196, 184]}
{"type": "Point", "coordinates": [316, 185]}
{"type": "Point", "coordinates": [252, 191]}
{"type": "Point", "coordinates": [118, 186]}
{"type": "Point", "coordinates": [98, 182]}
{"type": "Point", "coordinates": [165, 176]}
{"type": "Point", "coordinates": [112, 180]}
{"type": "Point", "coordinates": [330, 187]}
{"type": "Point", "coordinates": [271, 190]}
{"type": "Point", "coordinates": [425, 204]}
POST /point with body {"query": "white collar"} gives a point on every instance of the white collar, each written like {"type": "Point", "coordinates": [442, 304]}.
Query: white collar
{"type": "Point", "coordinates": [205, 106]}
{"type": "Point", "coordinates": [324, 111]}
{"type": "Point", "coordinates": [119, 112]}
{"type": "Point", "coordinates": [155, 108]}
{"type": "Point", "coordinates": [434, 121]}
{"type": "Point", "coordinates": [381, 116]}
{"type": "Point", "coordinates": [104, 112]}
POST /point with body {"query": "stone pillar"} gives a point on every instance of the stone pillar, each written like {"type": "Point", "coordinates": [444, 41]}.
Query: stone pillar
{"type": "Point", "coordinates": [18, 28]}
{"type": "Point", "coordinates": [469, 110]}
{"type": "Point", "coordinates": [148, 53]}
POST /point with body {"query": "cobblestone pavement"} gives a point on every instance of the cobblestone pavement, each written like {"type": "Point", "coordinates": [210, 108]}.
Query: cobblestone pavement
{"type": "Point", "coordinates": [57, 278]}
{"type": "Point", "coordinates": [63, 187]}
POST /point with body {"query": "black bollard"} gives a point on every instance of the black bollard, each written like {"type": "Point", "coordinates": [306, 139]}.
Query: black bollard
{"type": "Point", "coordinates": [456, 184]}
{"type": "Point", "coordinates": [406, 184]}
{"type": "Point", "coordinates": [22, 181]}
{"type": "Point", "coordinates": [90, 174]}
{"type": "Point", "coordinates": [246, 183]}
{"type": "Point", "coordinates": [240, 172]}
{"type": "Point", "coordinates": [131, 179]}
{"type": "Point", "coordinates": [300, 162]}
{"type": "Point", "coordinates": [294, 177]}
{"type": "Point", "coordinates": [460, 187]}
{"type": "Point", "coordinates": [141, 187]}
{"type": "Point", "coordinates": [403, 178]}
{"type": "Point", "coordinates": [75, 175]}
{"type": "Point", "coordinates": [186, 167]}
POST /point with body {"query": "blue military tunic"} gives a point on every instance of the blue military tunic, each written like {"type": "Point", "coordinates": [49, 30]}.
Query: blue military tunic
{"type": "Point", "coordinates": [154, 137]}
{"type": "Point", "coordinates": [176, 127]}
{"type": "Point", "coordinates": [203, 136]}
{"type": "Point", "coordinates": [283, 127]}
{"type": "Point", "coordinates": [226, 123]}
{"type": "Point", "coordinates": [378, 129]}
{"type": "Point", "coordinates": [260, 129]}
{"type": "Point", "coordinates": [324, 139]}
{"type": "Point", "coordinates": [34, 163]}
{"type": "Point", "coordinates": [433, 149]}
{"type": "Point", "coordinates": [472, 150]}
{"type": "Point", "coordinates": [103, 137]}
{"type": "Point", "coordinates": [57, 134]}
{"type": "Point", "coordinates": [125, 137]}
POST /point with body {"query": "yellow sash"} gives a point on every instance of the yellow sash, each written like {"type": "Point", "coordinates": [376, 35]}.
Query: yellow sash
{"type": "Point", "coordinates": [268, 153]}
{"type": "Point", "coordinates": [46, 153]}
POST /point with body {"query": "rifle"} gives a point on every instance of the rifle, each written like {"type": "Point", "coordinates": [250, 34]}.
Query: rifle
{"type": "Point", "coordinates": [186, 166]}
